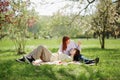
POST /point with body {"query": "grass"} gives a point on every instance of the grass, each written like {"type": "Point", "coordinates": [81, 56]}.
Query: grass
{"type": "Point", "coordinates": [107, 69]}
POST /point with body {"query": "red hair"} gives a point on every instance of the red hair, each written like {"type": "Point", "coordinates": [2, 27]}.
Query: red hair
{"type": "Point", "coordinates": [64, 44]}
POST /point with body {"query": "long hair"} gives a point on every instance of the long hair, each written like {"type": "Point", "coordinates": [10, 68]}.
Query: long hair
{"type": "Point", "coordinates": [64, 44]}
{"type": "Point", "coordinates": [77, 55]}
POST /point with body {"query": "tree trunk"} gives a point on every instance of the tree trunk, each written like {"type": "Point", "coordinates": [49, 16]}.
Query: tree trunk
{"type": "Point", "coordinates": [103, 42]}
{"type": "Point", "coordinates": [20, 49]}
{"type": "Point", "coordinates": [103, 37]}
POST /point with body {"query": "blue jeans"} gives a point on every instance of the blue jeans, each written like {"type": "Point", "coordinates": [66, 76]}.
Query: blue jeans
{"type": "Point", "coordinates": [86, 60]}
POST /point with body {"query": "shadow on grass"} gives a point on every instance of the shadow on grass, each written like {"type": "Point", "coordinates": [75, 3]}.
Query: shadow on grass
{"type": "Point", "coordinates": [64, 74]}
{"type": "Point", "coordinates": [38, 72]}
{"type": "Point", "coordinates": [11, 70]}
{"type": "Point", "coordinates": [54, 50]}
{"type": "Point", "coordinates": [89, 49]}
{"type": "Point", "coordinates": [5, 69]}
{"type": "Point", "coordinates": [94, 73]}
{"type": "Point", "coordinates": [99, 49]}
{"type": "Point", "coordinates": [4, 51]}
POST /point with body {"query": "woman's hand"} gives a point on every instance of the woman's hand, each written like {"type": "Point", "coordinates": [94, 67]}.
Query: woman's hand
{"type": "Point", "coordinates": [79, 42]}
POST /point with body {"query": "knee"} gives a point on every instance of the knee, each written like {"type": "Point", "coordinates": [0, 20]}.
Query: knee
{"type": "Point", "coordinates": [41, 46]}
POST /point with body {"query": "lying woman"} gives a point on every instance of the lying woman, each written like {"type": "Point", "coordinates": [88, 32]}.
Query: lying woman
{"type": "Point", "coordinates": [46, 56]}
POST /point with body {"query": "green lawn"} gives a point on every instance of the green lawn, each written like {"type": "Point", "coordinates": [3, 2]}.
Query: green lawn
{"type": "Point", "coordinates": [107, 69]}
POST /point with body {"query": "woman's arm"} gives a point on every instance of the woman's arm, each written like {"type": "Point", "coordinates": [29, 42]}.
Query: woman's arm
{"type": "Point", "coordinates": [77, 45]}
{"type": "Point", "coordinates": [79, 42]}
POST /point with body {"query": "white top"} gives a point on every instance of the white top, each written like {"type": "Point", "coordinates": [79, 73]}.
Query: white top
{"type": "Point", "coordinates": [70, 46]}
{"type": "Point", "coordinates": [55, 58]}
{"type": "Point", "coordinates": [61, 57]}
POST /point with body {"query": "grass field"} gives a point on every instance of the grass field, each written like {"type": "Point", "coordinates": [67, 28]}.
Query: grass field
{"type": "Point", "coordinates": [107, 69]}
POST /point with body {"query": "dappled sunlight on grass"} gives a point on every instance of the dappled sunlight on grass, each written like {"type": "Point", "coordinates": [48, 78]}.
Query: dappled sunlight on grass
{"type": "Point", "coordinates": [107, 69]}
{"type": "Point", "coordinates": [13, 70]}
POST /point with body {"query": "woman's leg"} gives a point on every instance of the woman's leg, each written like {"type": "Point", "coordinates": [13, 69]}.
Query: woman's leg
{"type": "Point", "coordinates": [89, 61]}
{"type": "Point", "coordinates": [40, 53]}
{"type": "Point", "coordinates": [86, 60]}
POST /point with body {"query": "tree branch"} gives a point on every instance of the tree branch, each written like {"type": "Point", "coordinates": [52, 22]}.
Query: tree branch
{"type": "Point", "coordinates": [116, 1]}
{"type": "Point", "coordinates": [89, 2]}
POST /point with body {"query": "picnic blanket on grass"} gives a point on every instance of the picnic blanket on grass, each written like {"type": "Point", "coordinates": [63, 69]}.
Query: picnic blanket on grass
{"type": "Point", "coordinates": [40, 62]}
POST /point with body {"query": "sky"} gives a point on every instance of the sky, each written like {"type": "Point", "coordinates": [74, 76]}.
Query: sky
{"type": "Point", "coordinates": [50, 7]}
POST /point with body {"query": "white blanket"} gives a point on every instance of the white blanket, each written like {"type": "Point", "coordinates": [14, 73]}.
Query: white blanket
{"type": "Point", "coordinates": [40, 62]}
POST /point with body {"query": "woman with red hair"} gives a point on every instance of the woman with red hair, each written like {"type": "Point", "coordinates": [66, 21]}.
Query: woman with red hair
{"type": "Point", "coordinates": [67, 45]}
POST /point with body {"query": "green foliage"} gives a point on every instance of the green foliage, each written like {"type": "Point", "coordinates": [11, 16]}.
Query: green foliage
{"type": "Point", "coordinates": [18, 30]}
{"type": "Point", "coordinates": [101, 23]}
{"type": "Point", "coordinates": [59, 25]}
{"type": "Point", "coordinates": [107, 69]}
